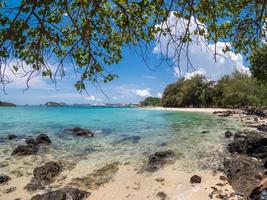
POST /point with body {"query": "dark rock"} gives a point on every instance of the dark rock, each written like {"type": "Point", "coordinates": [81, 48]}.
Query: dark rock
{"type": "Point", "coordinates": [250, 110]}
{"type": "Point", "coordinates": [205, 132]}
{"type": "Point", "coordinates": [4, 178]}
{"type": "Point", "coordinates": [30, 141]}
{"type": "Point", "coordinates": [63, 194]}
{"type": "Point", "coordinates": [259, 195]}
{"type": "Point", "coordinates": [75, 194]}
{"type": "Point", "coordinates": [162, 195]}
{"type": "Point", "coordinates": [163, 144]}
{"type": "Point", "coordinates": [132, 139]}
{"type": "Point", "coordinates": [11, 136]}
{"type": "Point", "coordinates": [43, 139]}
{"type": "Point", "coordinates": [159, 159]}
{"type": "Point", "coordinates": [81, 132]}
{"type": "Point", "coordinates": [89, 150]}
{"type": "Point", "coordinates": [47, 171]}
{"type": "Point", "coordinates": [250, 143]}
{"type": "Point", "coordinates": [262, 127]}
{"type": "Point", "coordinates": [43, 176]}
{"type": "Point", "coordinates": [240, 171]}
{"type": "Point", "coordinates": [228, 134]}
{"type": "Point", "coordinates": [54, 195]}
{"type": "Point", "coordinates": [24, 150]}
{"type": "Point", "coordinates": [195, 179]}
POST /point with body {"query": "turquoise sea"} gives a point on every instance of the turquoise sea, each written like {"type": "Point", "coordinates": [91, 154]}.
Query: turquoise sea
{"type": "Point", "coordinates": [122, 134]}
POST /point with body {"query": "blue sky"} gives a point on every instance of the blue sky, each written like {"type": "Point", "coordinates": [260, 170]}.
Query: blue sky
{"type": "Point", "coordinates": [136, 81]}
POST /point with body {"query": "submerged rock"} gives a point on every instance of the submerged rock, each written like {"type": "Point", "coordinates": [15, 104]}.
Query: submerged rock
{"type": "Point", "coordinates": [228, 134]}
{"type": "Point", "coordinates": [11, 136]}
{"type": "Point", "coordinates": [4, 179]}
{"type": "Point", "coordinates": [195, 179]}
{"type": "Point", "coordinates": [25, 150]}
{"type": "Point", "coordinates": [159, 159]}
{"type": "Point", "coordinates": [32, 146]}
{"type": "Point", "coordinates": [43, 139]}
{"type": "Point", "coordinates": [47, 171]}
{"type": "Point", "coordinates": [133, 139]}
{"type": "Point", "coordinates": [205, 132]}
{"type": "Point", "coordinates": [262, 127]}
{"type": "Point", "coordinates": [81, 132]}
{"type": "Point", "coordinates": [97, 178]}
{"type": "Point", "coordinates": [63, 194]}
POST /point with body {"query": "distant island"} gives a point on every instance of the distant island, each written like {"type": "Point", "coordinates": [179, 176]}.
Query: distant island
{"type": "Point", "coordinates": [7, 104]}
{"type": "Point", "coordinates": [51, 103]}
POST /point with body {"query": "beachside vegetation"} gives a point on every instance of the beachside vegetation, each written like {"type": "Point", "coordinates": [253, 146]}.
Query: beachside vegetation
{"type": "Point", "coordinates": [258, 64]}
{"type": "Point", "coordinates": [235, 90]}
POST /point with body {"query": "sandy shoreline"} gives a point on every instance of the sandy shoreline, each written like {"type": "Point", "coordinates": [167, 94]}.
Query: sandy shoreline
{"type": "Point", "coordinates": [202, 110]}
{"type": "Point", "coordinates": [127, 183]}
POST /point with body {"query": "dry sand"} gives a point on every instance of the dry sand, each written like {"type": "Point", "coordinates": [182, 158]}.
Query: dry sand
{"type": "Point", "coordinates": [129, 184]}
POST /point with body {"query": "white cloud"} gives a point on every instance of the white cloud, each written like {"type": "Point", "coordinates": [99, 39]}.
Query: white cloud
{"type": "Point", "coordinates": [159, 94]}
{"type": "Point", "coordinates": [194, 73]}
{"type": "Point", "coordinates": [90, 98]}
{"type": "Point", "coordinates": [201, 53]}
{"type": "Point", "coordinates": [18, 80]}
{"type": "Point", "coordinates": [115, 97]}
{"type": "Point", "coordinates": [143, 92]}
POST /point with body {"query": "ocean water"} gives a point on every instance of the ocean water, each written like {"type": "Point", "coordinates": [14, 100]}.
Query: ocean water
{"type": "Point", "coordinates": [122, 134]}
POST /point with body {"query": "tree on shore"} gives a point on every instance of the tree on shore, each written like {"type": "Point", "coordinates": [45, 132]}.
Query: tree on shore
{"type": "Point", "coordinates": [235, 90]}
{"type": "Point", "coordinates": [151, 101]}
{"type": "Point", "coordinates": [258, 64]}
{"type": "Point", "coordinates": [90, 34]}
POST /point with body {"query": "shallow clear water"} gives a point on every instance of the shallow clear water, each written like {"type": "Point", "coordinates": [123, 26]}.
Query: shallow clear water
{"type": "Point", "coordinates": [159, 130]}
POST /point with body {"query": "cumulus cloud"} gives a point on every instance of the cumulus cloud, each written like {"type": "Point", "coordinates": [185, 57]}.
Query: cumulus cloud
{"type": "Point", "coordinates": [201, 52]}
{"type": "Point", "coordinates": [159, 94]}
{"type": "Point", "coordinates": [194, 73]}
{"type": "Point", "coordinates": [143, 92]}
{"type": "Point", "coordinates": [90, 98]}
{"type": "Point", "coordinates": [19, 79]}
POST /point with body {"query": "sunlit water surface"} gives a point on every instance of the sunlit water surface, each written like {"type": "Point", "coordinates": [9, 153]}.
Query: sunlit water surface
{"type": "Point", "coordinates": [158, 130]}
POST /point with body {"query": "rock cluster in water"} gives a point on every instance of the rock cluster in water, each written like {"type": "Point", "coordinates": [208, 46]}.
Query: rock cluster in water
{"type": "Point", "coordinates": [77, 131]}
{"type": "Point", "coordinates": [32, 146]}
{"type": "Point", "coordinates": [159, 159]}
